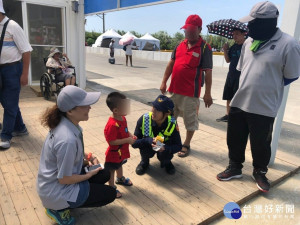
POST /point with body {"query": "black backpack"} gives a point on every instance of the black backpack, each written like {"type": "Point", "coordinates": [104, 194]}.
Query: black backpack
{"type": "Point", "coordinates": [124, 47]}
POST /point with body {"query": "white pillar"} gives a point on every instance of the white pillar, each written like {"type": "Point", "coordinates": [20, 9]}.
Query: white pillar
{"type": "Point", "coordinates": [290, 24]}
{"type": "Point", "coordinates": [81, 45]}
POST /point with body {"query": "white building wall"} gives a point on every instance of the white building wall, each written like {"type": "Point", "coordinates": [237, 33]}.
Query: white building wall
{"type": "Point", "coordinates": [76, 40]}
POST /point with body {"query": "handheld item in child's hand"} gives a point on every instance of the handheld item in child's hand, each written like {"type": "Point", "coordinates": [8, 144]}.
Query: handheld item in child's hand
{"type": "Point", "coordinates": [90, 168]}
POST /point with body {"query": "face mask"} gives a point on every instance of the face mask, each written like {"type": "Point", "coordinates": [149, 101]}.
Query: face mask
{"type": "Point", "coordinates": [262, 29]}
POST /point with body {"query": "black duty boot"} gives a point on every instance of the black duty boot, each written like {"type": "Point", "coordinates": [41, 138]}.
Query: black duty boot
{"type": "Point", "coordinates": [142, 168]}
{"type": "Point", "coordinates": [170, 168]}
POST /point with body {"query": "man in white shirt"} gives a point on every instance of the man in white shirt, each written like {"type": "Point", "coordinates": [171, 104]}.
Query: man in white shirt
{"type": "Point", "coordinates": [269, 60]}
{"type": "Point", "coordinates": [14, 64]}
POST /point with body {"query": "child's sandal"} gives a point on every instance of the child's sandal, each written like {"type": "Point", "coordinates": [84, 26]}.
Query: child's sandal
{"type": "Point", "coordinates": [124, 181]}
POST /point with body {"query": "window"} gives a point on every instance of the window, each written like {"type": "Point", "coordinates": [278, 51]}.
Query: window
{"type": "Point", "coordinates": [46, 30]}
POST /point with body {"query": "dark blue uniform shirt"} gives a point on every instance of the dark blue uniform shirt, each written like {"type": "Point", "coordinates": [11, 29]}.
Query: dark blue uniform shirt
{"type": "Point", "coordinates": [173, 145]}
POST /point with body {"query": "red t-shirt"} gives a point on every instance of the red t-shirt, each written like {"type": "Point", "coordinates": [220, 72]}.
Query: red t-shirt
{"type": "Point", "coordinates": [116, 129]}
{"type": "Point", "coordinates": [187, 70]}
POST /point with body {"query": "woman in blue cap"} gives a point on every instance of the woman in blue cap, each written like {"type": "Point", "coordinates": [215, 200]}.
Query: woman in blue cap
{"type": "Point", "coordinates": [157, 132]}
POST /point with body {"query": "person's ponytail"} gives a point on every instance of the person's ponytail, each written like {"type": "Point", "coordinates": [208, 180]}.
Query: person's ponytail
{"type": "Point", "coordinates": [52, 117]}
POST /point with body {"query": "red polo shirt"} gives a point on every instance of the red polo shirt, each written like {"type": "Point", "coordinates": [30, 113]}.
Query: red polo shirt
{"type": "Point", "coordinates": [188, 67]}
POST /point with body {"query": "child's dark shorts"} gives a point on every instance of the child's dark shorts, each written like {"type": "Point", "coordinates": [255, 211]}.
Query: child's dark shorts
{"type": "Point", "coordinates": [114, 166]}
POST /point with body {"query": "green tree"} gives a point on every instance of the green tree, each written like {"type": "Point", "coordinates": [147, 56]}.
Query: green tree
{"type": "Point", "coordinates": [177, 38]}
{"type": "Point", "coordinates": [217, 42]}
{"type": "Point", "coordinates": [121, 32]}
{"type": "Point", "coordinates": [136, 34]}
{"type": "Point", "coordinates": [90, 41]}
{"type": "Point", "coordinates": [165, 39]}
{"type": "Point", "coordinates": [90, 37]}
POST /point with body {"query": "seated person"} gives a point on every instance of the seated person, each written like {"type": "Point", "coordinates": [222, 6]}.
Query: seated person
{"type": "Point", "coordinates": [60, 63]}
{"type": "Point", "coordinates": [153, 128]}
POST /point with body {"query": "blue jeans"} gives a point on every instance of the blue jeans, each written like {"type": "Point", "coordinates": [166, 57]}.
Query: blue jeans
{"type": "Point", "coordinates": [9, 96]}
{"type": "Point", "coordinates": [84, 190]}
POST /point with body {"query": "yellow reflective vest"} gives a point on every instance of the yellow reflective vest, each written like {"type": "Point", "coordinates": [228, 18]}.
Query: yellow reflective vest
{"type": "Point", "coordinates": [147, 127]}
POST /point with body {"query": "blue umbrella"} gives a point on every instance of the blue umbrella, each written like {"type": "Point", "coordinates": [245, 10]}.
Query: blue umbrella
{"type": "Point", "coordinates": [225, 27]}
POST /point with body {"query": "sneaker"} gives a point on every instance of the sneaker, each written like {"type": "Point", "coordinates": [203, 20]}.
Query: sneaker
{"type": "Point", "coordinates": [261, 180]}
{"type": "Point", "coordinates": [62, 217]}
{"type": "Point", "coordinates": [20, 133]}
{"type": "Point", "coordinates": [230, 173]}
{"type": "Point", "coordinates": [170, 168]}
{"type": "Point", "coordinates": [223, 119]}
{"type": "Point", "coordinates": [5, 144]}
{"type": "Point", "coordinates": [141, 168]}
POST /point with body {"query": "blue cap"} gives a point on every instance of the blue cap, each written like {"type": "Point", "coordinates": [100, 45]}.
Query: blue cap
{"type": "Point", "coordinates": [163, 104]}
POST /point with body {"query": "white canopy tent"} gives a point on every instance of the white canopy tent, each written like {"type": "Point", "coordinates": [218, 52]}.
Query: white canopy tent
{"type": "Point", "coordinates": [129, 34]}
{"type": "Point", "coordinates": [148, 43]}
{"type": "Point", "coordinates": [104, 39]}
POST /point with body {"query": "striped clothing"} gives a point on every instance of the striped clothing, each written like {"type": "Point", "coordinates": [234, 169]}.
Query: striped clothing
{"type": "Point", "coordinates": [15, 42]}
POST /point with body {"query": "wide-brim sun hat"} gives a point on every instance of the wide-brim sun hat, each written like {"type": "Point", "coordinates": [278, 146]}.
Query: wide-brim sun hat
{"type": "Point", "coordinates": [72, 96]}
{"type": "Point", "coordinates": [53, 52]}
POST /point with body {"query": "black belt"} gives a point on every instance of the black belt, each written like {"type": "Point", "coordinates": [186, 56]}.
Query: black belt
{"type": "Point", "coordinates": [9, 64]}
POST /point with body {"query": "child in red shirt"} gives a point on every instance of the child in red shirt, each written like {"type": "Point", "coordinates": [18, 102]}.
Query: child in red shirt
{"type": "Point", "coordinates": [118, 137]}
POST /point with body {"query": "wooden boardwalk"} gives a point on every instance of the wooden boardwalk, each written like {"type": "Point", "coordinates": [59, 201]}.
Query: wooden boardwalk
{"type": "Point", "coordinates": [191, 196]}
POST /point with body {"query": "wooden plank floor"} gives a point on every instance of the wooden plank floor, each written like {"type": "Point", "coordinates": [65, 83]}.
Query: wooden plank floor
{"type": "Point", "coordinates": [191, 196]}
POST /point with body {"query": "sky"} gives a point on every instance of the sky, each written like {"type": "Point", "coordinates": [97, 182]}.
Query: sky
{"type": "Point", "coordinates": [171, 16]}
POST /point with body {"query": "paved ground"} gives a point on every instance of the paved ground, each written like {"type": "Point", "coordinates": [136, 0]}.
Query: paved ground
{"type": "Point", "coordinates": [141, 83]}
{"type": "Point", "coordinates": [191, 196]}
{"type": "Point", "coordinates": [145, 77]}
{"type": "Point", "coordinates": [273, 206]}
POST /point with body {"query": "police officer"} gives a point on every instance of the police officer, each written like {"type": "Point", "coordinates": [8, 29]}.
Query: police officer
{"type": "Point", "coordinates": [153, 128]}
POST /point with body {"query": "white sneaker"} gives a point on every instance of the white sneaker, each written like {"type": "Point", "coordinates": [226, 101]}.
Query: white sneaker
{"type": "Point", "coordinates": [5, 144]}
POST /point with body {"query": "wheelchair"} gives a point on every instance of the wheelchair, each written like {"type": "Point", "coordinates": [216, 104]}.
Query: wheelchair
{"type": "Point", "coordinates": [49, 85]}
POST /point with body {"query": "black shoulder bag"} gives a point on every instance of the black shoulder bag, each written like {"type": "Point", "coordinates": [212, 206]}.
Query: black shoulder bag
{"type": "Point", "coordinates": [1, 44]}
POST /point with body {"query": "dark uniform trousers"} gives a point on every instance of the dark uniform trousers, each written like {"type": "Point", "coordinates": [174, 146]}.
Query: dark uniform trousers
{"type": "Point", "coordinates": [147, 153]}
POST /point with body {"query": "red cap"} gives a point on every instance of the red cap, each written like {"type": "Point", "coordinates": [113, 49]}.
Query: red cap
{"type": "Point", "coordinates": [193, 20]}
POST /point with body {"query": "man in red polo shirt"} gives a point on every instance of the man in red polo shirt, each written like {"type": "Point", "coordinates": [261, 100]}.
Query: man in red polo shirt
{"type": "Point", "coordinates": [188, 61]}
